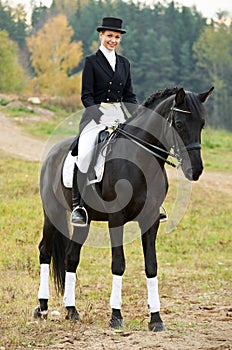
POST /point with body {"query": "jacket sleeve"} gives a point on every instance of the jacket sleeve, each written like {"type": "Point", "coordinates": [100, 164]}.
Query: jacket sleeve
{"type": "Point", "coordinates": [87, 93]}
{"type": "Point", "coordinates": [129, 97]}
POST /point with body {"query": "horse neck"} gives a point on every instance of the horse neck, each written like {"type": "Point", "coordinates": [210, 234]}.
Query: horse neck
{"type": "Point", "coordinates": [152, 123]}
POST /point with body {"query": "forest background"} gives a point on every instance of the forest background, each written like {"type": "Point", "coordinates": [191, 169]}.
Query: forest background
{"type": "Point", "coordinates": [167, 44]}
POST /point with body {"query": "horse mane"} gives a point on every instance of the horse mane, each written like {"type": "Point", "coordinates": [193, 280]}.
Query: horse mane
{"type": "Point", "coordinates": [158, 96]}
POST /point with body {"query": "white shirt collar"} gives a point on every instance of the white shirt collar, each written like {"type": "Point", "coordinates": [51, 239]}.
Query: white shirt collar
{"type": "Point", "coordinates": [110, 55]}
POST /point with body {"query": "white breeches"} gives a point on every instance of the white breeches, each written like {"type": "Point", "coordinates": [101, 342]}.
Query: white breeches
{"type": "Point", "coordinates": [112, 114]}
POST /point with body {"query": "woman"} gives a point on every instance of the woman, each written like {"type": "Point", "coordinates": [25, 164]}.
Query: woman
{"type": "Point", "coordinates": [106, 90]}
{"type": "Point", "coordinates": [106, 84]}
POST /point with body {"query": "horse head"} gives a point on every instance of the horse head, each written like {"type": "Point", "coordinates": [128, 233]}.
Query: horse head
{"type": "Point", "coordinates": [186, 120]}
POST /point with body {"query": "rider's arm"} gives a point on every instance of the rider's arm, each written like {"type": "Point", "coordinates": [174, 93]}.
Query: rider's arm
{"type": "Point", "coordinates": [87, 93]}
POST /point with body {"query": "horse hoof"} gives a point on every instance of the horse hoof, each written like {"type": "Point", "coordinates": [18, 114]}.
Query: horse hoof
{"type": "Point", "coordinates": [41, 314]}
{"type": "Point", "coordinates": [72, 314]}
{"type": "Point", "coordinates": [156, 327]}
{"type": "Point", "coordinates": [116, 322]}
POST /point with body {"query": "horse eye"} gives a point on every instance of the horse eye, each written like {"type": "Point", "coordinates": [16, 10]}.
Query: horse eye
{"type": "Point", "coordinates": [178, 125]}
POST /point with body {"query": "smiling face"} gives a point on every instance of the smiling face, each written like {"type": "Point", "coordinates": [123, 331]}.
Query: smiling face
{"type": "Point", "coordinates": [110, 39]}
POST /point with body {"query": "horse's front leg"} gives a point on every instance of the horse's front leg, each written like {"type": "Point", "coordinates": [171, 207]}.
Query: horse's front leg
{"type": "Point", "coordinates": [149, 250]}
{"type": "Point", "coordinates": [117, 268]}
{"type": "Point", "coordinates": [71, 263]}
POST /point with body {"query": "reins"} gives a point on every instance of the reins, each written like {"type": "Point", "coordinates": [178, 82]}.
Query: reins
{"type": "Point", "coordinates": [143, 144]}
{"type": "Point", "coordinates": [152, 149]}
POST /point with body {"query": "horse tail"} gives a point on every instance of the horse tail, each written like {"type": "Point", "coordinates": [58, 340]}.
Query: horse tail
{"type": "Point", "coordinates": [60, 242]}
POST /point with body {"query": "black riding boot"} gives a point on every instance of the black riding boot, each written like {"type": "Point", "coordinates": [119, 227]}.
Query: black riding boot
{"type": "Point", "coordinates": [163, 215]}
{"type": "Point", "coordinates": [79, 216]}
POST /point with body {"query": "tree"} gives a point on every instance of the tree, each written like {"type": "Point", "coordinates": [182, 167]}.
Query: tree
{"type": "Point", "coordinates": [54, 56]}
{"type": "Point", "coordinates": [214, 64]}
{"type": "Point", "coordinates": [11, 73]}
{"type": "Point", "coordinates": [40, 15]}
{"type": "Point", "coordinates": [13, 21]}
{"type": "Point", "coordinates": [155, 65]}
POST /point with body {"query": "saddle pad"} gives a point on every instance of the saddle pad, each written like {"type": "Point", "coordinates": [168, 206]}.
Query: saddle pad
{"type": "Point", "coordinates": [67, 171]}
{"type": "Point", "coordinates": [68, 168]}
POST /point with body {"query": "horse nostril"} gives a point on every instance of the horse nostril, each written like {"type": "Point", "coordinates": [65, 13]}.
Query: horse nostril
{"type": "Point", "coordinates": [193, 174]}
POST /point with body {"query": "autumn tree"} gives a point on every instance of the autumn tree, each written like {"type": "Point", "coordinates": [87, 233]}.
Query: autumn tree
{"type": "Point", "coordinates": [53, 58]}
{"type": "Point", "coordinates": [11, 72]}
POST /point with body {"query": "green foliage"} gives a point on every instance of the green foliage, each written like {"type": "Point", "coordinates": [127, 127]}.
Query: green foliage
{"type": "Point", "coordinates": [11, 72]}
{"type": "Point", "coordinates": [214, 62]}
{"type": "Point", "coordinates": [3, 102]}
{"type": "Point", "coordinates": [13, 20]}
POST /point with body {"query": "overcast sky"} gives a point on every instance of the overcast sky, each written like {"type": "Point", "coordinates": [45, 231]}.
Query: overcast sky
{"type": "Point", "coordinates": [207, 7]}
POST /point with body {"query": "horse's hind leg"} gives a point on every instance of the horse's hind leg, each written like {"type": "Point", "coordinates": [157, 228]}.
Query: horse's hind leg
{"type": "Point", "coordinates": [45, 249]}
{"type": "Point", "coordinates": [72, 261]}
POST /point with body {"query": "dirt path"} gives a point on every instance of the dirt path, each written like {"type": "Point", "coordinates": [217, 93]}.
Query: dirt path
{"type": "Point", "coordinates": [13, 140]}
{"type": "Point", "coordinates": [212, 328]}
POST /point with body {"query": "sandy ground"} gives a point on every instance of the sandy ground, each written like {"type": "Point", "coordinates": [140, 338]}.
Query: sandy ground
{"type": "Point", "coordinates": [213, 325]}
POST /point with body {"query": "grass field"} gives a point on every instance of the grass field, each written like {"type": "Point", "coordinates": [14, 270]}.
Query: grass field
{"type": "Point", "coordinates": [195, 260]}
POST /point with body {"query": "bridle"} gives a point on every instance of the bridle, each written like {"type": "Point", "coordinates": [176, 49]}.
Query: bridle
{"type": "Point", "coordinates": [180, 150]}
{"type": "Point", "coordinates": [154, 149]}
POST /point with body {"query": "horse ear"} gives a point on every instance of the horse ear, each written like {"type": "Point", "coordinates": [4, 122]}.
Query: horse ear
{"type": "Point", "coordinates": [180, 95]}
{"type": "Point", "coordinates": [204, 95]}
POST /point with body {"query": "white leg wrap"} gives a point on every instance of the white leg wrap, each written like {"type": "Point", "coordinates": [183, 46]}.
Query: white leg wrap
{"type": "Point", "coordinates": [153, 294]}
{"type": "Point", "coordinates": [116, 293]}
{"type": "Point", "coordinates": [44, 282]}
{"type": "Point", "coordinates": [69, 289]}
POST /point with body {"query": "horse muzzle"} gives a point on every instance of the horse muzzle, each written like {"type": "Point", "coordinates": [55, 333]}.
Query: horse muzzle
{"type": "Point", "coordinates": [191, 161]}
{"type": "Point", "coordinates": [193, 174]}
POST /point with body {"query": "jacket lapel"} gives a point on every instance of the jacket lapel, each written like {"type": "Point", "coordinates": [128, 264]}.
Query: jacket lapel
{"type": "Point", "coordinates": [104, 64]}
{"type": "Point", "coordinates": [119, 66]}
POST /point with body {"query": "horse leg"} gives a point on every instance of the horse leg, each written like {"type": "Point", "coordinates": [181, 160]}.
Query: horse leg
{"type": "Point", "coordinates": [117, 268]}
{"type": "Point", "coordinates": [45, 248]}
{"type": "Point", "coordinates": [71, 263]}
{"type": "Point", "coordinates": [149, 250]}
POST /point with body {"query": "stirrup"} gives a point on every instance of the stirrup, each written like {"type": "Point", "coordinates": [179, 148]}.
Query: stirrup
{"type": "Point", "coordinates": [86, 217]}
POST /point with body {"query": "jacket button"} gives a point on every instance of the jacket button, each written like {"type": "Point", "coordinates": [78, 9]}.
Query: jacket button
{"type": "Point", "coordinates": [120, 83]}
{"type": "Point", "coordinates": [107, 99]}
{"type": "Point", "coordinates": [110, 82]}
{"type": "Point", "coordinates": [119, 91]}
{"type": "Point", "coordinates": [108, 90]}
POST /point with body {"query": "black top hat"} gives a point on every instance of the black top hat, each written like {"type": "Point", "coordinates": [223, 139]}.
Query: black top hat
{"type": "Point", "coordinates": [111, 23]}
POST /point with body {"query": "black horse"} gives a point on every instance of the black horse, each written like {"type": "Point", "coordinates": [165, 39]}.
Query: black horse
{"type": "Point", "coordinates": [133, 188]}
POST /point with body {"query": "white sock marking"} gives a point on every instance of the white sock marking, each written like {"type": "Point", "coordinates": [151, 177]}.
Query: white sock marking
{"type": "Point", "coordinates": [69, 289]}
{"type": "Point", "coordinates": [153, 294]}
{"type": "Point", "coordinates": [116, 293]}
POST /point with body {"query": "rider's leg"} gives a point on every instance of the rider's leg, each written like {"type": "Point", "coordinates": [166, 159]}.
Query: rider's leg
{"type": "Point", "coordinates": [86, 142]}
{"type": "Point", "coordinates": [79, 215]}
{"type": "Point", "coordinates": [163, 215]}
